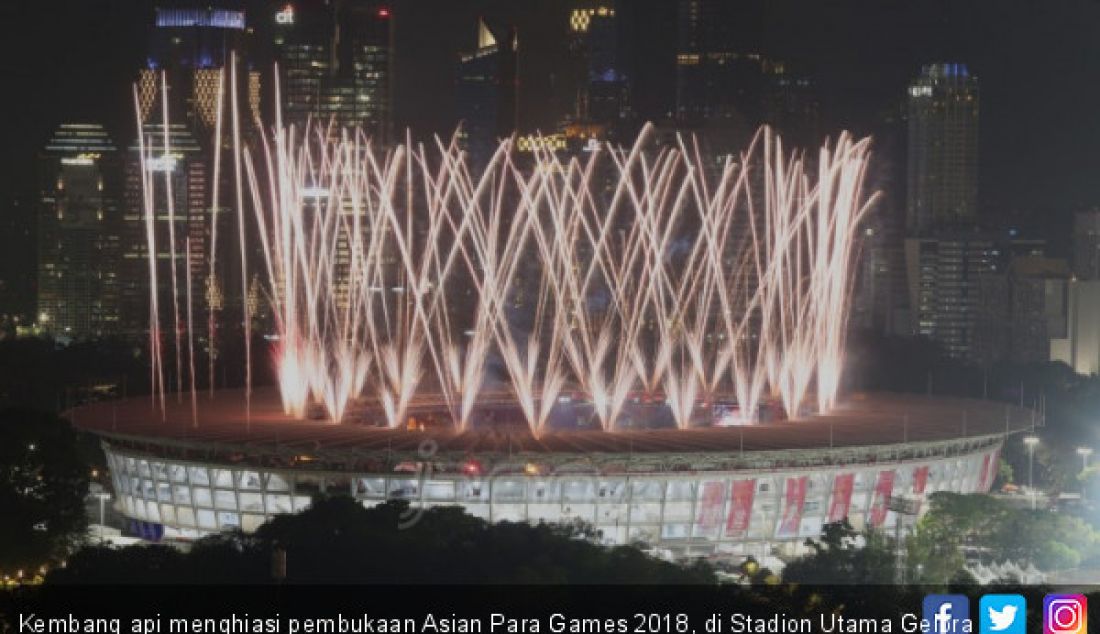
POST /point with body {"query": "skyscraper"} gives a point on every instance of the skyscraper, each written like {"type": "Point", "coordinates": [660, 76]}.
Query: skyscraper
{"type": "Point", "coordinates": [1079, 347]}
{"type": "Point", "coordinates": [185, 79]}
{"type": "Point", "coordinates": [943, 149]}
{"type": "Point", "coordinates": [1022, 309]}
{"type": "Point", "coordinates": [18, 253]}
{"type": "Point", "coordinates": [191, 44]}
{"type": "Point", "coordinates": [790, 104]}
{"type": "Point", "coordinates": [720, 68]}
{"type": "Point", "coordinates": [599, 91]}
{"type": "Point", "coordinates": [179, 180]}
{"type": "Point", "coordinates": [945, 274]}
{"type": "Point", "coordinates": [78, 233]}
{"type": "Point", "coordinates": [336, 63]}
{"type": "Point", "coordinates": [1086, 245]}
{"type": "Point", "coordinates": [487, 91]}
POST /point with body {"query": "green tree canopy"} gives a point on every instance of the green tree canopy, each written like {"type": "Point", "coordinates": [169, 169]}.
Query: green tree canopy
{"type": "Point", "coordinates": [995, 531]}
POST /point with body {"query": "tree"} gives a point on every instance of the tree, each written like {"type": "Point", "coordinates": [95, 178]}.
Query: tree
{"type": "Point", "coordinates": [994, 531]}
{"type": "Point", "coordinates": [1005, 474]}
{"type": "Point", "coordinates": [43, 481]}
{"type": "Point", "coordinates": [843, 556]}
{"type": "Point", "coordinates": [151, 564]}
{"type": "Point", "coordinates": [842, 563]}
{"type": "Point", "coordinates": [336, 540]}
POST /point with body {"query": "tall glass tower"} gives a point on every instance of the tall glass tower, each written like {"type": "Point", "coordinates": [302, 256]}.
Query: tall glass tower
{"type": "Point", "coordinates": [192, 44]}
{"type": "Point", "coordinates": [943, 149]}
{"type": "Point", "coordinates": [487, 91]}
{"type": "Point", "coordinates": [336, 63]}
{"type": "Point", "coordinates": [78, 233]}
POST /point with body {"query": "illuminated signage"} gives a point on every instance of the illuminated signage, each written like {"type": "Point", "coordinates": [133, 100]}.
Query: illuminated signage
{"type": "Point", "coordinates": [164, 163]}
{"type": "Point", "coordinates": [531, 143]}
{"type": "Point", "coordinates": [286, 16]}
{"type": "Point", "coordinates": [184, 18]}
{"type": "Point", "coordinates": [581, 19]}
{"type": "Point", "coordinates": [591, 146]}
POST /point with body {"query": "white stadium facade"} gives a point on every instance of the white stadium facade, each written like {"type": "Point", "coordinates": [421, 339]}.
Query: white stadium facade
{"type": "Point", "coordinates": [713, 492]}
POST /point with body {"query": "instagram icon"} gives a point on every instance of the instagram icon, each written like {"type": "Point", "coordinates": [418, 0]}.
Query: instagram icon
{"type": "Point", "coordinates": [1065, 614]}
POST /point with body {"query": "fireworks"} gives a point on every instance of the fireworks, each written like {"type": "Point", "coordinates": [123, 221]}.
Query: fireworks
{"type": "Point", "coordinates": [407, 270]}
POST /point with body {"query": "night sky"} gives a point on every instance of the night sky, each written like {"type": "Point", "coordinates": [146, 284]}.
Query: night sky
{"type": "Point", "coordinates": [1038, 62]}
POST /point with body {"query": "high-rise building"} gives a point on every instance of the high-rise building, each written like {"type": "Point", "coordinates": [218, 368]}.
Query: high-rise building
{"type": "Point", "coordinates": [943, 149]}
{"type": "Point", "coordinates": [186, 78]}
{"type": "Point", "coordinates": [179, 180]}
{"type": "Point", "coordinates": [335, 63]}
{"type": "Point", "coordinates": [1022, 308]}
{"type": "Point", "coordinates": [487, 91]}
{"type": "Point", "coordinates": [791, 106]}
{"type": "Point", "coordinates": [1080, 347]}
{"type": "Point", "coordinates": [18, 249]}
{"type": "Point", "coordinates": [878, 298]}
{"type": "Point", "coordinates": [190, 44]}
{"type": "Point", "coordinates": [1086, 245]}
{"type": "Point", "coordinates": [944, 274]}
{"type": "Point", "coordinates": [78, 233]}
{"type": "Point", "coordinates": [720, 69]}
{"type": "Point", "coordinates": [598, 88]}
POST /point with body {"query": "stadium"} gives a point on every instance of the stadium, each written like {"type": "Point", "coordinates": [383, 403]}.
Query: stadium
{"type": "Point", "coordinates": [637, 339]}
{"type": "Point", "coordinates": [705, 491]}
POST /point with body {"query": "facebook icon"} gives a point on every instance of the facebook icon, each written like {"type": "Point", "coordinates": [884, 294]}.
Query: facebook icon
{"type": "Point", "coordinates": [946, 614]}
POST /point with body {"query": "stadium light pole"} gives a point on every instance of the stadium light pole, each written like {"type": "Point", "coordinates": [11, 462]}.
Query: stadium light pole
{"type": "Point", "coordinates": [1031, 441]}
{"type": "Point", "coordinates": [1084, 452]}
{"type": "Point", "coordinates": [103, 497]}
{"type": "Point", "coordinates": [902, 507]}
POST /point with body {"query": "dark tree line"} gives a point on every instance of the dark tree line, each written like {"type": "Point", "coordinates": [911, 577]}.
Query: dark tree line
{"type": "Point", "coordinates": [43, 480]}
{"type": "Point", "coordinates": [336, 540]}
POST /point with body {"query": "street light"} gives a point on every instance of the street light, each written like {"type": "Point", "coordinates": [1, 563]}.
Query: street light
{"type": "Point", "coordinates": [103, 497]}
{"type": "Point", "coordinates": [1030, 441]}
{"type": "Point", "coordinates": [902, 507]}
{"type": "Point", "coordinates": [1084, 452]}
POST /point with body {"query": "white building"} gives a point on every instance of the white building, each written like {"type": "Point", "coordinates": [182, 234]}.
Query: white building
{"type": "Point", "coordinates": [1080, 349]}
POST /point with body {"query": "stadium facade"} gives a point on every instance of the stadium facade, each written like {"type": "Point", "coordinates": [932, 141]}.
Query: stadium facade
{"type": "Point", "coordinates": [705, 492]}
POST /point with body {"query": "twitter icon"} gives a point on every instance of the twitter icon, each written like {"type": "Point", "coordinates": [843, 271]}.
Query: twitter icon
{"type": "Point", "coordinates": [1003, 614]}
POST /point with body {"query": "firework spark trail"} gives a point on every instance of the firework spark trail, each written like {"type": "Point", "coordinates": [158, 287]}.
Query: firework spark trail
{"type": "Point", "coordinates": [212, 281]}
{"type": "Point", "coordinates": [242, 235]}
{"type": "Point", "coordinates": [460, 376]}
{"type": "Point", "coordinates": [392, 273]}
{"type": "Point", "coordinates": [191, 338]}
{"type": "Point", "coordinates": [156, 368]}
{"type": "Point", "coordinates": [166, 158]}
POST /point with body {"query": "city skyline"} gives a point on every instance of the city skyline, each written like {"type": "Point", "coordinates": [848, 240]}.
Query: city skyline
{"type": "Point", "coordinates": [730, 71]}
{"type": "Point", "coordinates": [766, 294]}
{"type": "Point", "coordinates": [858, 87]}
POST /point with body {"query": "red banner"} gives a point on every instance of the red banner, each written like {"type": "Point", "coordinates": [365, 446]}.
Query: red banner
{"type": "Point", "coordinates": [981, 486]}
{"type": "Point", "coordinates": [920, 483]}
{"type": "Point", "coordinates": [741, 508]}
{"type": "Point", "coordinates": [711, 503]}
{"type": "Point", "coordinates": [842, 497]}
{"type": "Point", "coordinates": [792, 508]}
{"type": "Point", "coordinates": [989, 471]}
{"type": "Point", "coordinates": [883, 488]}
{"type": "Point", "coordinates": [920, 480]}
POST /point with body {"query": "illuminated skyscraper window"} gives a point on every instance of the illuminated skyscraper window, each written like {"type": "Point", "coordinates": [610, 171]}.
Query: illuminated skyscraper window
{"type": "Point", "coordinates": [78, 232]}
{"type": "Point", "coordinates": [335, 62]}
{"type": "Point", "coordinates": [943, 148]}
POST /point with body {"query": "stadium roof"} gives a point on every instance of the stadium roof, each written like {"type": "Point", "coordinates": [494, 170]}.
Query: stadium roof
{"type": "Point", "coordinates": [863, 426]}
